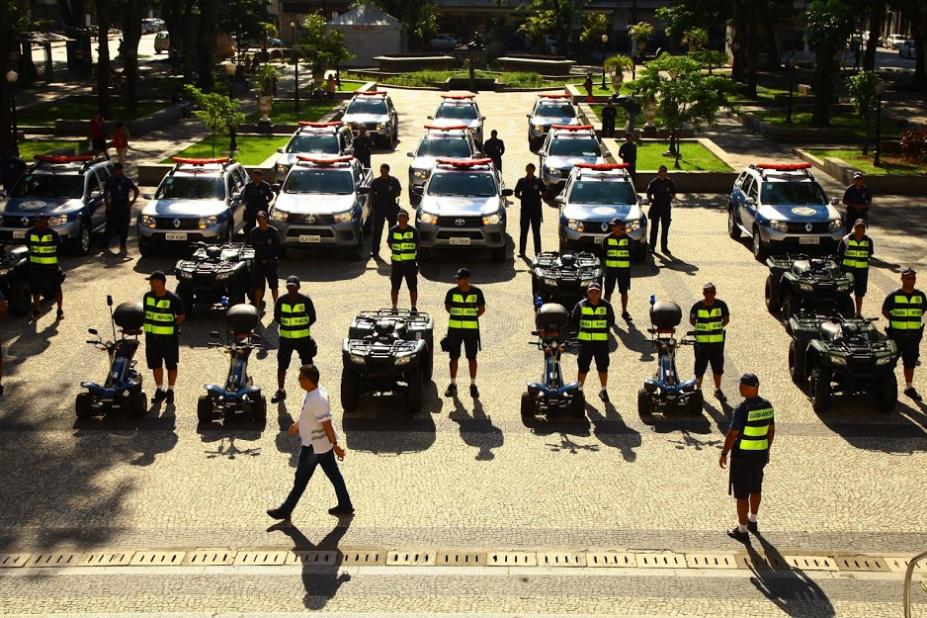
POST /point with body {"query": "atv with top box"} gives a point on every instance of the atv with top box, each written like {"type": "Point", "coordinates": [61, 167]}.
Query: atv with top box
{"type": "Point", "coordinates": [563, 276]}
{"type": "Point", "coordinates": [14, 278]}
{"type": "Point", "coordinates": [797, 281]}
{"type": "Point", "coordinates": [215, 274]}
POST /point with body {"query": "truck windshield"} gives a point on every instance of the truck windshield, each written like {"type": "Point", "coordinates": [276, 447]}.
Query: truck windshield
{"type": "Point", "coordinates": [69, 186]}
{"type": "Point", "coordinates": [555, 110]}
{"type": "Point", "coordinates": [602, 192]}
{"type": "Point", "coordinates": [332, 182]}
{"type": "Point", "coordinates": [475, 184]}
{"type": "Point", "coordinates": [444, 147]}
{"type": "Point", "coordinates": [191, 188]}
{"type": "Point", "coordinates": [798, 193]}
{"type": "Point", "coordinates": [376, 107]}
{"type": "Point", "coordinates": [457, 112]}
{"type": "Point", "coordinates": [572, 147]}
{"type": "Point", "coordinates": [320, 144]}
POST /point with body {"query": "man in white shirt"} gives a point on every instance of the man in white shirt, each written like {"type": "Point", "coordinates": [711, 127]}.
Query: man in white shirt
{"type": "Point", "coordinates": [319, 447]}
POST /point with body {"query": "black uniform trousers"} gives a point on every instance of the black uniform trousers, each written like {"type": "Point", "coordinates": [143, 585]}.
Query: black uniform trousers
{"type": "Point", "coordinates": [658, 215]}
{"type": "Point", "coordinates": [382, 214]}
{"type": "Point", "coordinates": [530, 217]}
{"type": "Point", "coordinates": [117, 222]}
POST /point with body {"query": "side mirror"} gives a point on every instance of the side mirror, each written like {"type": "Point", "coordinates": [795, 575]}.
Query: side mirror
{"type": "Point", "coordinates": [95, 195]}
{"type": "Point", "coordinates": [482, 117]}
{"type": "Point", "coordinates": [560, 200]}
{"type": "Point", "coordinates": [92, 331]}
{"type": "Point", "coordinates": [214, 334]}
{"type": "Point", "coordinates": [750, 201]}
{"type": "Point", "coordinates": [527, 115]}
{"type": "Point", "coordinates": [275, 187]}
{"type": "Point", "coordinates": [280, 150]}
{"type": "Point", "coordinates": [109, 300]}
{"type": "Point", "coordinates": [431, 118]}
{"type": "Point", "coordinates": [148, 196]}
{"type": "Point", "coordinates": [507, 193]}
{"type": "Point", "coordinates": [409, 154]}
{"type": "Point", "coordinates": [363, 190]}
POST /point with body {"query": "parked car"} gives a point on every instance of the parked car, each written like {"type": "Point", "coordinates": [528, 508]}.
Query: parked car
{"type": "Point", "coordinates": [564, 146]}
{"type": "Point", "coordinates": [548, 110]}
{"type": "Point", "coordinates": [451, 141]}
{"type": "Point", "coordinates": [894, 41]}
{"type": "Point", "coordinates": [443, 42]}
{"type": "Point", "coordinates": [162, 42]}
{"type": "Point", "coordinates": [152, 24]}
{"type": "Point", "coordinates": [314, 138]}
{"type": "Point", "coordinates": [456, 109]}
{"type": "Point", "coordinates": [375, 111]}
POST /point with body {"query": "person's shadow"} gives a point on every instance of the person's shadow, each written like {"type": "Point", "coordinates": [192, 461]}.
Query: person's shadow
{"type": "Point", "coordinates": [612, 431]}
{"type": "Point", "coordinates": [790, 590]}
{"type": "Point", "coordinates": [477, 431]}
{"type": "Point", "coordinates": [321, 583]}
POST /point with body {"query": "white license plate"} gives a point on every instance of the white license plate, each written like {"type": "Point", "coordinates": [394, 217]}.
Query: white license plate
{"type": "Point", "coordinates": [309, 238]}
{"type": "Point", "coordinates": [599, 240]}
{"type": "Point", "coordinates": [459, 240]}
{"type": "Point", "coordinates": [809, 240]}
{"type": "Point", "coordinates": [175, 236]}
{"type": "Point", "coordinates": [19, 233]}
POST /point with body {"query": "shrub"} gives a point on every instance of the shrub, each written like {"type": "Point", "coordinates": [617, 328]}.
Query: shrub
{"type": "Point", "coordinates": [914, 144]}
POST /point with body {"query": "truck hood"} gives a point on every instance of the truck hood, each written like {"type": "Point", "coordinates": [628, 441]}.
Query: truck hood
{"type": "Point", "coordinates": [602, 212]}
{"type": "Point", "coordinates": [423, 163]}
{"type": "Point", "coordinates": [31, 206]}
{"type": "Point", "coordinates": [185, 208]}
{"type": "Point", "coordinates": [563, 163]}
{"type": "Point", "coordinates": [460, 206]}
{"type": "Point", "coordinates": [365, 118]}
{"type": "Point", "coordinates": [799, 214]}
{"type": "Point", "coordinates": [289, 158]}
{"type": "Point", "coordinates": [546, 121]}
{"type": "Point", "coordinates": [450, 122]}
{"type": "Point", "coordinates": [316, 203]}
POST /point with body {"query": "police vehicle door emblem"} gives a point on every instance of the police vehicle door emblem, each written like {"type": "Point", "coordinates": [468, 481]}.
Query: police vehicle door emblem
{"type": "Point", "coordinates": [459, 221]}
{"type": "Point", "coordinates": [808, 227]}
{"type": "Point", "coordinates": [176, 223]}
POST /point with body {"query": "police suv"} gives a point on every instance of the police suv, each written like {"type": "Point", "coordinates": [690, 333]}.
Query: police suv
{"type": "Point", "coordinates": [782, 206]}
{"type": "Point", "coordinates": [565, 146]}
{"type": "Point", "coordinates": [373, 110]}
{"type": "Point", "coordinates": [596, 193]}
{"type": "Point", "coordinates": [324, 201]}
{"type": "Point", "coordinates": [450, 142]}
{"type": "Point", "coordinates": [464, 206]}
{"type": "Point", "coordinates": [457, 109]}
{"type": "Point", "coordinates": [66, 188]}
{"type": "Point", "coordinates": [198, 200]}
{"type": "Point", "coordinates": [314, 138]}
{"type": "Point", "coordinates": [548, 110]}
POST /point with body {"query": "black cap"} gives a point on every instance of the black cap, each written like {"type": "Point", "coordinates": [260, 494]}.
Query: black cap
{"type": "Point", "coordinates": [750, 379]}
{"type": "Point", "coordinates": [42, 215]}
{"type": "Point", "coordinates": [462, 273]}
{"type": "Point", "coordinates": [157, 275]}
{"type": "Point", "coordinates": [708, 286]}
{"type": "Point", "coordinates": [859, 222]}
{"type": "Point", "coordinates": [402, 213]}
{"type": "Point", "coordinates": [595, 285]}
{"type": "Point", "coordinates": [292, 280]}
{"type": "Point", "coordinates": [261, 214]}
{"type": "Point", "coordinates": [616, 221]}
{"type": "Point", "coordinates": [908, 271]}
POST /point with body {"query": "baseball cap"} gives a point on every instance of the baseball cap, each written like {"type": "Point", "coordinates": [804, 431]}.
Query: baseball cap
{"type": "Point", "coordinates": [859, 222]}
{"type": "Point", "coordinates": [616, 221]}
{"type": "Point", "coordinates": [908, 271]}
{"type": "Point", "coordinates": [402, 213]}
{"type": "Point", "coordinates": [749, 379]}
{"type": "Point", "coordinates": [708, 286]}
{"type": "Point", "coordinates": [42, 215]}
{"type": "Point", "coordinates": [857, 175]}
{"type": "Point", "coordinates": [595, 285]}
{"type": "Point", "coordinates": [292, 280]}
{"type": "Point", "coordinates": [262, 214]}
{"type": "Point", "coordinates": [462, 273]}
{"type": "Point", "coordinates": [157, 275]}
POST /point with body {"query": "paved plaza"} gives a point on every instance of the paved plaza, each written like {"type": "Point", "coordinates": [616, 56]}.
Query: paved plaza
{"type": "Point", "coordinates": [465, 477]}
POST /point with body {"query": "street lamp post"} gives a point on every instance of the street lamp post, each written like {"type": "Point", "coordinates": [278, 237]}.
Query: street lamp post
{"type": "Point", "coordinates": [11, 77]}
{"type": "Point", "coordinates": [295, 27]}
{"type": "Point", "coordinates": [879, 90]}
{"type": "Point", "coordinates": [604, 44]}
{"type": "Point", "coordinates": [790, 66]}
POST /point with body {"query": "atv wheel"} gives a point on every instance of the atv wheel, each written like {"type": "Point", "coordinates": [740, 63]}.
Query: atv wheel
{"type": "Point", "coordinates": [204, 410]}
{"type": "Point", "coordinates": [350, 387]}
{"type": "Point", "coordinates": [527, 410]}
{"type": "Point", "coordinates": [760, 248]}
{"type": "Point", "coordinates": [82, 406]}
{"type": "Point", "coordinates": [20, 297]}
{"type": "Point", "coordinates": [416, 383]}
{"type": "Point", "coordinates": [789, 306]}
{"type": "Point", "coordinates": [643, 403]}
{"type": "Point", "coordinates": [185, 293]}
{"type": "Point", "coordinates": [820, 389]}
{"type": "Point", "coordinates": [578, 405]}
{"type": "Point", "coordinates": [428, 363]}
{"type": "Point", "coordinates": [696, 403]}
{"type": "Point", "coordinates": [795, 371]}
{"type": "Point", "coordinates": [80, 246]}
{"type": "Point", "coordinates": [733, 229]}
{"type": "Point", "coordinates": [772, 301]}
{"type": "Point", "coordinates": [259, 409]}
{"type": "Point", "coordinates": [847, 307]}
{"type": "Point", "coordinates": [236, 295]}
{"type": "Point", "coordinates": [885, 393]}
{"type": "Point", "coordinates": [137, 403]}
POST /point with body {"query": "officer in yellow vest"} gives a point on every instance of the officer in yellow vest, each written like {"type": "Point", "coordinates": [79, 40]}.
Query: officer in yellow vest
{"type": "Point", "coordinates": [164, 312]}
{"type": "Point", "coordinates": [750, 437]}
{"type": "Point", "coordinates": [617, 248]}
{"type": "Point", "coordinates": [709, 317]}
{"type": "Point", "coordinates": [403, 241]}
{"type": "Point", "coordinates": [853, 254]}
{"type": "Point", "coordinates": [465, 304]}
{"type": "Point", "coordinates": [904, 310]}
{"type": "Point", "coordinates": [593, 317]}
{"type": "Point", "coordinates": [295, 313]}
{"type": "Point", "coordinates": [45, 274]}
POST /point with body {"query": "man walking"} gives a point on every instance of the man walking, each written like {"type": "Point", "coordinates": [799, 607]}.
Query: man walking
{"type": "Point", "coordinates": [857, 198]}
{"type": "Point", "coordinates": [628, 154]}
{"type": "Point", "coordinates": [295, 314]}
{"type": "Point", "coordinates": [709, 317]}
{"type": "Point", "coordinates": [609, 112]}
{"type": "Point", "coordinates": [384, 191]}
{"type": "Point", "coordinates": [118, 206]}
{"type": "Point", "coordinates": [593, 317]}
{"type": "Point", "coordinates": [257, 196]}
{"type": "Point", "coordinates": [267, 249]}
{"type": "Point", "coordinates": [164, 312]}
{"type": "Point", "coordinates": [403, 241]}
{"type": "Point", "coordinates": [494, 148]}
{"type": "Point", "coordinates": [904, 310]}
{"type": "Point", "coordinates": [661, 191]}
{"type": "Point", "coordinates": [750, 437]}
{"type": "Point", "coordinates": [530, 190]}
{"type": "Point", "coordinates": [45, 275]}
{"type": "Point", "coordinates": [617, 247]}
{"type": "Point", "coordinates": [362, 147]}
{"type": "Point", "coordinates": [465, 304]}
{"type": "Point", "coordinates": [319, 447]}
{"type": "Point", "coordinates": [853, 254]}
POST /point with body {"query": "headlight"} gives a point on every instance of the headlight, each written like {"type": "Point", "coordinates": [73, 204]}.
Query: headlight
{"type": "Point", "coordinates": [539, 128]}
{"type": "Point", "coordinates": [427, 218]}
{"type": "Point", "coordinates": [186, 275]}
{"type": "Point", "coordinates": [553, 172]}
{"type": "Point", "coordinates": [806, 287]}
{"type": "Point", "coordinates": [779, 226]}
{"type": "Point", "coordinates": [358, 359]}
{"type": "Point", "coordinates": [343, 217]}
{"type": "Point", "coordinates": [283, 168]}
{"type": "Point", "coordinates": [884, 360]}
{"type": "Point", "coordinates": [838, 360]}
{"type": "Point", "coordinates": [222, 276]}
{"type": "Point", "coordinates": [550, 282]}
{"type": "Point", "coordinates": [492, 219]}
{"type": "Point", "coordinates": [632, 225]}
{"type": "Point", "coordinates": [402, 360]}
{"type": "Point", "coordinates": [576, 226]}
{"type": "Point", "coordinates": [834, 225]}
{"type": "Point", "coordinates": [149, 221]}
{"type": "Point", "coordinates": [586, 283]}
{"type": "Point", "coordinates": [423, 174]}
{"type": "Point", "coordinates": [207, 221]}
{"type": "Point", "coordinates": [57, 220]}
{"type": "Point", "coordinates": [381, 126]}
{"type": "Point", "coordinates": [278, 215]}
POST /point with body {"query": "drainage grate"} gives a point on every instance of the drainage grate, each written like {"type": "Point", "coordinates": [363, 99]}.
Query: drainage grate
{"type": "Point", "coordinates": [158, 558]}
{"type": "Point", "coordinates": [309, 557]}
{"type": "Point", "coordinates": [512, 558]}
{"type": "Point", "coordinates": [363, 556]}
{"type": "Point", "coordinates": [261, 558]}
{"type": "Point", "coordinates": [561, 559]}
{"type": "Point", "coordinates": [412, 557]}
{"type": "Point", "coordinates": [811, 563]}
{"type": "Point", "coordinates": [611, 559]}
{"type": "Point", "coordinates": [106, 558]}
{"type": "Point", "coordinates": [55, 560]}
{"type": "Point", "coordinates": [210, 557]}
{"type": "Point", "coordinates": [13, 561]}
{"type": "Point", "coordinates": [861, 563]}
{"type": "Point", "coordinates": [460, 558]}
{"type": "Point", "coordinates": [760, 562]}
{"type": "Point", "coordinates": [711, 561]}
{"type": "Point", "coordinates": [899, 564]}
{"type": "Point", "coordinates": [661, 560]}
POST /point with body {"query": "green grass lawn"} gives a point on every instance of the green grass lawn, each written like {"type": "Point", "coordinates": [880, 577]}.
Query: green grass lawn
{"type": "Point", "coordinates": [352, 86]}
{"type": "Point", "coordinates": [284, 113]}
{"type": "Point", "coordinates": [252, 149]}
{"type": "Point", "coordinates": [74, 108]}
{"type": "Point", "coordinates": [426, 78]}
{"type": "Point", "coordinates": [30, 148]}
{"type": "Point", "coordinates": [598, 90]}
{"type": "Point", "coordinates": [843, 120]}
{"type": "Point", "coordinates": [695, 157]}
{"type": "Point", "coordinates": [891, 165]}
{"type": "Point", "coordinates": [620, 118]}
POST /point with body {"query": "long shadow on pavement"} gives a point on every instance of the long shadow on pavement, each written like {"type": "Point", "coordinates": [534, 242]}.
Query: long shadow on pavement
{"type": "Point", "coordinates": [792, 591]}
{"type": "Point", "coordinates": [477, 430]}
{"type": "Point", "coordinates": [321, 583]}
{"type": "Point", "coordinates": [383, 424]}
{"type": "Point", "coordinates": [611, 430]}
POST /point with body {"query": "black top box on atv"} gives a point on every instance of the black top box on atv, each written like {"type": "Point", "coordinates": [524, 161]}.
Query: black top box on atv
{"type": "Point", "coordinates": [552, 317]}
{"type": "Point", "coordinates": [665, 315]}
{"type": "Point", "coordinates": [564, 275]}
{"type": "Point", "coordinates": [213, 260]}
{"type": "Point", "coordinates": [129, 316]}
{"type": "Point", "coordinates": [413, 325]}
{"type": "Point", "coordinates": [242, 318]}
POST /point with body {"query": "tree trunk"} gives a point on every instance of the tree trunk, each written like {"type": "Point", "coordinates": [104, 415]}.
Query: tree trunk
{"type": "Point", "coordinates": [772, 50]}
{"type": "Point", "coordinates": [823, 84]}
{"type": "Point", "coordinates": [866, 122]}
{"type": "Point", "coordinates": [876, 19]}
{"type": "Point", "coordinates": [8, 35]}
{"type": "Point", "coordinates": [753, 48]}
{"type": "Point", "coordinates": [204, 43]}
{"type": "Point", "coordinates": [919, 23]}
{"type": "Point", "coordinates": [188, 38]}
{"type": "Point", "coordinates": [131, 33]}
{"type": "Point", "coordinates": [738, 26]}
{"type": "Point", "coordinates": [104, 9]}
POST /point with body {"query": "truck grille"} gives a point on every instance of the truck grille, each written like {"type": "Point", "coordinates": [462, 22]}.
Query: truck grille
{"type": "Point", "coordinates": [460, 222]}
{"type": "Point", "coordinates": [820, 227]}
{"type": "Point", "coordinates": [302, 219]}
{"type": "Point", "coordinates": [186, 223]}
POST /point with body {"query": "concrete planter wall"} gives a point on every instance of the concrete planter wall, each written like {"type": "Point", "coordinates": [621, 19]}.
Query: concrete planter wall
{"type": "Point", "coordinates": [690, 182]}
{"type": "Point", "coordinates": [886, 185]}
{"type": "Point", "coordinates": [784, 134]}
{"type": "Point", "coordinates": [544, 66]}
{"type": "Point", "coordinates": [465, 83]}
{"type": "Point", "coordinates": [410, 63]}
{"type": "Point", "coordinates": [150, 175]}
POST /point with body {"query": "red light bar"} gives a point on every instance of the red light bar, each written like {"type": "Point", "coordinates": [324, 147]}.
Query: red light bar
{"type": "Point", "coordinates": [556, 95]}
{"type": "Point", "coordinates": [450, 127]}
{"type": "Point", "coordinates": [309, 123]}
{"type": "Point", "coordinates": [602, 166]}
{"type": "Point", "coordinates": [63, 158]}
{"type": "Point", "coordinates": [370, 93]}
{"type": "Point", "coordinates": [189, 161]}
{"type": "Point", "coordinates": [784, 167]}
{"type": "Point", "coordinates": [324, 160]}
{"type": "Point", "coordinates": [463, 162]}
{"type": "Point", "coordinates": [572, 127]}
{"type": "Point", "coordinates": [459, 97]}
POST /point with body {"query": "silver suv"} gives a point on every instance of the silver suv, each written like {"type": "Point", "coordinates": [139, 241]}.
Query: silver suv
{"type": "Point", "coordinates": [373, 110]}
{"type": "Point", "coordinates": [548, 110]}
{"type": "Point", "coordinates": [565, 146]}
{"type": "Point", "coordinates": [314, 138]}
{"type": "Point", "coordinates": [456, 109]}
{"type": "Point", "coordinates": [198, 200]}
{"type": "Point", "coordinates": [451, 142]}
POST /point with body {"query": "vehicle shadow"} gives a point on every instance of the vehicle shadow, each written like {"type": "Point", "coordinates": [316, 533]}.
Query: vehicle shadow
{"type": "Point", "coordinates": [442, 264]}
{"type": "Point", "coordinates": [565, 428]}
{"type": "Point", "coordinates": [383, 425]}
{"type": "Point", "coordinates": [690, 429]}
{"type": "Point", "coordinates": [321, 583]}
{"type": "Point", "coordinates": [634, 340]}
{"type": "Point", "coordinates": [477, 430]}
{"type": "Point", "coordinates": [903, 432]}
{"type": "Point", "coordinates": [148, 437]}
{"type": "Point", "coordinates": [227, 436]}
{"type": "Point", "coordinates": [611, 430]}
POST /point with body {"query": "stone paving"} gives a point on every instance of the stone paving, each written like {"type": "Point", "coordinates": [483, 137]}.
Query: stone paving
{"type": "Point", "coordinates": [463, 473]}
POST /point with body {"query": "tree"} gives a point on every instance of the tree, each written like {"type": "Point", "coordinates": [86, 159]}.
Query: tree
{"type": "Point", "coordinates": [830, 23]}
{"type": "Point", "coordinates": [132, 11]}
{"type": "Point", "coordinates": [683, 94]}
{"type": "Point", "coordinates": [104, 9]}
{"type": "Point", "coordinates": [322, 47]}
{"type": "Point", "coordinates": [247, 20]}
{"type": "Point", "coordinates": [915, 11]}
{"type": "Point", "coordinates": [559, 16]}
{"type": "Point", "coordinates": [696, 40]}
{"type": "Point", "coordinates": [862, 87]}
{"type": "Point", "coordinates": [683, 15]}
{"type": "Point", "coordinates": [14, 20]}
{"type": "Point", "coordinates": [595, 24]}
{"type": "Point", "coordinates": [420, 17]}
{"type": "Point", "coordinates": [616, 66]}
{"type": "Point", "coordinates": [218, 112]}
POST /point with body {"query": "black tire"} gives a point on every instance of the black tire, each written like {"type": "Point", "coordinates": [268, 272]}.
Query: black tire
{"type": "Point", "coordinates": [733, 229]}
{"type": "Point", "coordinates": [358, 252]}
{"type": "Point", "coordinates": [846, 307]}
{"type": "Point", "coordinates": [527, 410]}
{"type": "Point", "coordinates": [760, 248]}
{"type": "Point", "coordinates": [138, 404]}
{"type": "Point", "coordinates": [428, 363]}
{"type": "Point", "coordinates": [772, 299]}
{"type": "Point", "coordinates": [350, 390]}
{"type": "Point", "coordinates": [80, 246]}
{"type": "Point", "coordinates": [204, 412]}
{"type": "Point", "coordinates": [885, 393]}
{"type": "Point", "coordinates": [639, 251]}
{"type": "Point", "coordinates": [820, 389]}
{"type": "Point", "coordinates": [416, 381]}
{"type": "Point", "coordinates": [82, 406]}
{"type": "Point", "coordinates": [643, 403]}
{"type": "Point", "coordinates": [789, 306]}
{"type": "Point", "coordinates": [415, 199]}
{"type": "Point", "coordinates": [187, 299]}
{"type": "Point", "coordinates": [259, 409]}
{"type": "Point", "coordinates": [144, 247]}
{"type": "Point", "coordinates": [20, 297]}
{"type": "Point", "coordinates": [498, 255]}
{"type": "Point", "coordinates": [696, 403]}
{"type": "Point", "coordinates": [578, 405]}
{"type": "Point", "coordinates": [236, 295]}
{"type": "Point", "coordinates": [796, 372]}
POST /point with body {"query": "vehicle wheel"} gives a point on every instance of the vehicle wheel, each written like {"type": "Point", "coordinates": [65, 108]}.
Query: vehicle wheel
{"type": "Point", "coordinates": [643, 402]}
{"type": "Point", "coordinates": [760, 248]}
{"type": "Point", "coordinates": [733, 229]}
{"type": "Point", "coordinates": [578, 406]}
{"type": "Point", "coordinates": [772, 301]}
{"type": "Point", "coordinates": [358, 252]}
{"type": "Point", "coordinates": [414, 199]}
{"type": "Point", "coordinates": [185, 293]}
{"type": "Point", "coordinates": [696, 403]}
{"type": "Point", "coordinates": [80, 246]}
{"type": "Point", "coordinates": [204, 410]}
{"type": "Point", "coordinates": [795, 370]}
{"type": "Point", "coordinates": [138, 404]}
{"type": "Point", "coordinates": [846, 307]}
{"type": "Point", "coordinates": [639, 251]}
{"type": "Point", "coordinates": [885, 393]}
{"type": "Point", "coordinates": [789, 306]}
{"type": "Point", "coordinates": [820, 389]}
{"type": "Point", "coordinates": [82, 406]}
{"type": "Point", "coordinates": [428, 363]}
{"type": "Point", "coordinates": [259, 409]}
{"type": "Point", "coordinates": [20, 297]}
{"type": "Point", "coordinates": [416, 388]}
{"type": "Point", "coordinates": [144, 247]}
{"type": "Point", "coordinates": [498, 255]}
{"type": "Point", "coordinates": [350, 389]}
{"type": "Point", "coordinates": [527, 410]}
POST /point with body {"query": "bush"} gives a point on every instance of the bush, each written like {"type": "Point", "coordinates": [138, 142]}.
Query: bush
{"type": "Point", "coordinates": [914, 144]}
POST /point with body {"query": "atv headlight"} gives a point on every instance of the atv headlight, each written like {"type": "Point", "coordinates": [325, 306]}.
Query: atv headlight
{"type": "Point", "coordinates": [343, 217]}
{"type": "Point", "coordinates": [550, 282]}
{"type": "Point", "coordinates": [884, 360]}
{"type": "Point", "coordinates": [492, 219]}
{"type": "Point", "coordinates": [427, 218]}
{"type": "Point", "coordinates": [4, 272]}
{"type": "Point", "coordinates": [843, 288]}
{"type": "Point", "coordinates": [358, 359]}
{"type": "Point", "coordinates": [576, 226]}
{"type": "Point", "coordinates": [402, 360]}
{"type": "Point", "coordinates": [57, 220]}
{"type": "Point", "coordinates": [222, 276]}
{"type": "Point", "coordinates": [423, 174]}
{"type": "Point", "coordinates": [279, 215]}
{"type": "Point", "coordinates": [838, 360]}
{"type": "Point", "coordinates": [186, 275]}
{"type": "Point", "coordinates": [585, 283]}
{"type": "Point", "coordinates": [381, 126]}
{"type": "Point", "coordinates": [206, 222]}
{"type": "Point", "coordinates": [633, 225]}
{"type": "Point", "coordinates": [149, 222]}
{"type": "Point", "coordinates": [834, 224]}
{"type": "Point", "coordinates": [553, 172]}
{"type": "Point", "coordinates": [804, 286]}
{"type": "Point", "coordinates": [779, 226]}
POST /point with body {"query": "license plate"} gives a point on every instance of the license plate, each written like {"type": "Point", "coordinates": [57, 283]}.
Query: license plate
{"type": "Point", "coordinates": [459, 240]}
{"type": "Point", "coordinates": [175, 236]}
{"type": "Point", "coordinates": [809, 240]}
{"type": "Point", "coordinates": [599, 240]}
{"type": "Point", "coordinates": [309, 238]}
{"type": "Point", "coordinates": [19, 233]}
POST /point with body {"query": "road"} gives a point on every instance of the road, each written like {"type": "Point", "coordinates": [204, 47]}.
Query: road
{"type": "Point", "coordinates": [464, 473]}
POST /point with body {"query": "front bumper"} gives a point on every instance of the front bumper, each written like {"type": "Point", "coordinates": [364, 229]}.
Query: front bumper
{"type": "Point", "coordinates": [17, 235]}
{"type": "Point", "coordinates": [589, 240]}
{"type": "Point", "coordinates": [484, 236]}
{"type": "Point", "coordinates": [211, 233]}
{"type": "Point", "coordinates": [804, 242]}
{"type": "Point", "coordinates": [331, 235]}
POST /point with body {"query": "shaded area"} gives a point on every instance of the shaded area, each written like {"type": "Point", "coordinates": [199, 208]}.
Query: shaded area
{"type": "Point", "coordinates": [790, 590]}
{"type": "Point", "coordinates": [321, 584]}
{"type": "Point", "coordinates": [477, 430]}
